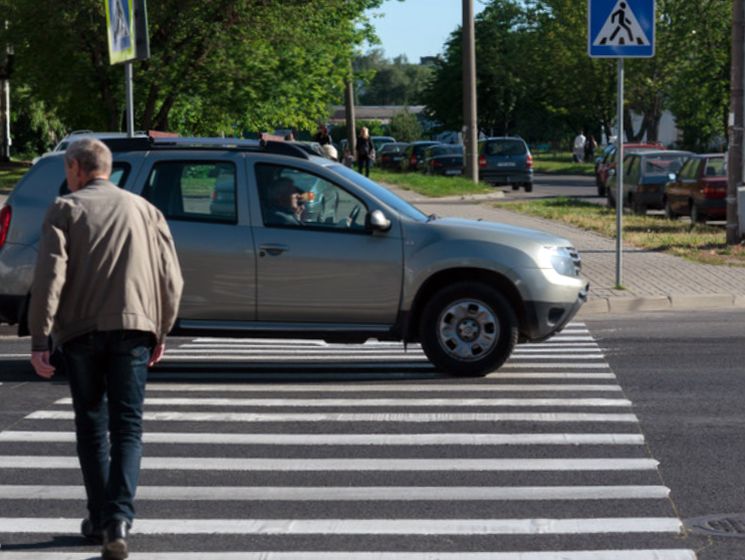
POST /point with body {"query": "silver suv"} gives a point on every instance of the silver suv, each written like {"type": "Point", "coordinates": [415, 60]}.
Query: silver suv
{"type": "Point", "coordinates": [275, 242]}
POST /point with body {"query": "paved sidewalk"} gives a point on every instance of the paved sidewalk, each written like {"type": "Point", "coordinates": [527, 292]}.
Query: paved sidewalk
{"type": "Point", "coordinates": [653, 281]}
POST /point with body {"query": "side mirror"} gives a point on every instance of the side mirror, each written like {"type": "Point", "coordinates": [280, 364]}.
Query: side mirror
{"type": "Point", "coordinates": [612, 172]}
{"type": "Point", "coordinates": [672, 177]}
{"type": "Point", "coordinates": [376, 221]}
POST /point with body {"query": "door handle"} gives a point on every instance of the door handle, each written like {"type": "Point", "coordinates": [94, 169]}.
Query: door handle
{"type": "Point", "coordinates": [272, 249]}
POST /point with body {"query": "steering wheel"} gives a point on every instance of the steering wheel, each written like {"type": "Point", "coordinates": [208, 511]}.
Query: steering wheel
{"type": "Point", "coordinates": [353, 215]}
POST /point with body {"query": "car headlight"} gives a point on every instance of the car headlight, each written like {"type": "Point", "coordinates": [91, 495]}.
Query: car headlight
{"type": "Point", "coordinates": [564, 260]}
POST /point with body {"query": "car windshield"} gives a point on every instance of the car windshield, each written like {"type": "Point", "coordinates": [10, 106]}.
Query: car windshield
{"type": "Point", "coordinates": [504, 148]}
{"type": "Point", "coordinates": [381, 193]}
{"type": "Point", "coordinates": [395, 148]}
{"type": "Point", "coordinates": [663, 165]}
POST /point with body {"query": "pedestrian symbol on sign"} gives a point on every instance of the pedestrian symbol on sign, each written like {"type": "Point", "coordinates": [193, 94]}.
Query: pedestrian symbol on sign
{"type": "Point", "coordinates": [621, 28]}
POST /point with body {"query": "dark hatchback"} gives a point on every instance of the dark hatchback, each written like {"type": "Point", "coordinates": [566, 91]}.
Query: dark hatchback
{"type": "Point", "coordinates": [699, 190]}
{"type": "Point", "coordinates": [443, 159]}
{"type": "Point", "coordinates": [506, 161]}
{"type": "Point", "coordinates": [645, 174]}
{"type": "Point", "coordinates": [389, 155]}
{"type": "Point", "coordinates": [414, 153]}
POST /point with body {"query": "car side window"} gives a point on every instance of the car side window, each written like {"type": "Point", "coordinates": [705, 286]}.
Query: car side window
{"type": "Point", "coordinates": [119, 174]}
{"type": "Point", "coordinates": [690, 170]}
{"type": "Point", "coordinates": [293, 197]}
{"type": "Point", "coordinates": [193, 190]}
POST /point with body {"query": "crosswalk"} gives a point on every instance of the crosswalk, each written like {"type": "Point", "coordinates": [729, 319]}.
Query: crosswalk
{"type": "Point", "coordinates": [543, 459]}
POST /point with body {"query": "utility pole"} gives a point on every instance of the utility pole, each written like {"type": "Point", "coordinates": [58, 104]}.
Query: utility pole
{"type": "Point", "coordinates": [735, 155]}
{"type": "Point", "coordinates": [351, 124]}
{"type": "Point", "coordinates": [470, 119]}
{"type": "Point", "coordinates": [6, 68]}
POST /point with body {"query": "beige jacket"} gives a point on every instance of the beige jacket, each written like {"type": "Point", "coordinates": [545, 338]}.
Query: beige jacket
{"type": "Point", "coordinates": [106, 262]}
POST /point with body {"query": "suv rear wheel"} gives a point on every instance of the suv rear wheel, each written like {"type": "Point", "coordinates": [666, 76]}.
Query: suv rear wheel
{"type": "Point", "coordinates": [468, 329]}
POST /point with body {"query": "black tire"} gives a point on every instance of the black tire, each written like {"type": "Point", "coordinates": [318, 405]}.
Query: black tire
{"type": "Point", "coordinates": [601, 190]}
{"type": "Point", "coordinates": [697, 217]}
{"type": "Point", "coordinates": [670, 214]}
{"type": "Point", "coordinates": [495, 317]}
{"type": "Point", "coordinates": [515, 186]}
{"type": "Point", "coordinates": [637, 207]}
{"type": "Point", "coordinates": [528, 187]}
{"type": "Point", "coordinates": [611, 200]}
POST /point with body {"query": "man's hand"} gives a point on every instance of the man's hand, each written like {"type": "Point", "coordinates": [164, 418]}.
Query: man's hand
{"type": "Point", "coordinates": [40, 361]}
{"type": "Point", "coordinates": [157, 355]}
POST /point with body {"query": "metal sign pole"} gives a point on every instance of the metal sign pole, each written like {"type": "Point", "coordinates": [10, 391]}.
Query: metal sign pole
{"type": "Point", "coordinates": [128, 87]}
{"type": "Point", "coordinates": [619, 179]}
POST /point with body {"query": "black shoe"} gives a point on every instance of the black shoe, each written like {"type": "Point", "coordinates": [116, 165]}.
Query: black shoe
{"type": "Point", "coordinates": [115, 541]}
{"type": "Point", "coordinates": [90, 532]}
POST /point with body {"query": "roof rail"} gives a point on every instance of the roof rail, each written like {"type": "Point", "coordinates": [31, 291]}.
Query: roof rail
{"type": "Point", "coordinates": [145, 143]}
{"type": "Point", "coordinates": [136, 144]}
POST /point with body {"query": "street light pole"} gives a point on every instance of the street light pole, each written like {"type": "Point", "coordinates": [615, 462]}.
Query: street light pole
{"type": "Point", "coordinates": [735, 156]}
{"type": "Point", "coordinates": [470, 119]}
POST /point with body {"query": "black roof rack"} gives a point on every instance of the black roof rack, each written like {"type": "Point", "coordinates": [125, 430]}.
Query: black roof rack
{"type": "Point", "coordinates": [142, 144]}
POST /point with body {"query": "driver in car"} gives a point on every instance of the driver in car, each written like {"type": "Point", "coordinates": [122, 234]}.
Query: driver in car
{"type": "Point", "coordinates": [285, 203]}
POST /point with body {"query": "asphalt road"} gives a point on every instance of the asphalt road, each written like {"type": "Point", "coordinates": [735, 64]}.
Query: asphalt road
{"type": "Point", "coordinates": [684, 373]}
{"type": "Point", "coordinates": [377, 468]}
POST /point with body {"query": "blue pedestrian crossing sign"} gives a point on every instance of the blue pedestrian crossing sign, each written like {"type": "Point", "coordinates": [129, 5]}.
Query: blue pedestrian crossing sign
{"type": "Point", "coordinates": [621, 28]}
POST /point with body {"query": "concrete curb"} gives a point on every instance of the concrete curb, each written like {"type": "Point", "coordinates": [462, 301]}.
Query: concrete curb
{"type": "Point", "coordinates": [678, 302]}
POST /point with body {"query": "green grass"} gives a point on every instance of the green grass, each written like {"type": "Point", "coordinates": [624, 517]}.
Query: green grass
{"type": "Point", "coordinates": [560, 163]}
{"type": "Point", "coordinates": [700, 243]}
{"type": "Point", "coordinates": [10, 174]}
{"type": "Point", "coordinates": [430, 185]}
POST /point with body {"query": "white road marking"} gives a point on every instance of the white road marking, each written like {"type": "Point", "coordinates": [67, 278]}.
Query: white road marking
{"type": "Point", "coordinates": [367, 387]}
{"type": "Point", "coordinates": [279, 464]}
{"type": "Point", "coordinates": [549, 375]}
{"type": "Point", "coordinates": [653, 554]}
{"type": "Point", "coordinates": [346, 493]}
{"type": "Point", "coordinates": [360, 417]}
{"type": "Point", "coordinates": [349, 439]}
{"type": "Point", "coordinates": [537, 365]}
{"type": "Point", "coordinates": [360, 402]}
{"type": "Point", "coordinates": [362, 526]}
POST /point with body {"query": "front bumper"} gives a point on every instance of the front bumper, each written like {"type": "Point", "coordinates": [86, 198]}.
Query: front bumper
{"type": "Point", "coordinates": [544, 319]}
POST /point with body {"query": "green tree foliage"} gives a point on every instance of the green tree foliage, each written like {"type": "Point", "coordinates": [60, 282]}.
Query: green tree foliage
{"type": "Point", "coordinates": [405, 127]}
{"type": "Point", "coordinates": [384, 82]}
{"type": "Point", "coordinates": [536, 79]}
{"type": "Point", "coordinates": [222, 66]}
{"type": "Point", "coordinates": [35, 127]}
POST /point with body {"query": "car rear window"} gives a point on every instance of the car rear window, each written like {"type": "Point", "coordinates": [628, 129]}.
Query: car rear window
{"type": "Point", "coordinates": [505, 148]}
{"type": "Point", "coordinates": [663, 165]}
{"type": "Point", "coordinates": [715, 167]}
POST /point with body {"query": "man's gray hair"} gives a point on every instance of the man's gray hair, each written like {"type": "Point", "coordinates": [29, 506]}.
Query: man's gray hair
{"type": "Point", "coordinates": [93, 156]}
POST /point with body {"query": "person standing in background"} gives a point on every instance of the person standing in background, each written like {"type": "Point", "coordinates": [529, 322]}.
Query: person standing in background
{"type": "Point", "coordinates": [365, 152]}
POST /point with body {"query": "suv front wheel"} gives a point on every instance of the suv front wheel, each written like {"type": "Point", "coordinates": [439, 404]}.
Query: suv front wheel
{"type": "Point", "coordinates": [468, 329]}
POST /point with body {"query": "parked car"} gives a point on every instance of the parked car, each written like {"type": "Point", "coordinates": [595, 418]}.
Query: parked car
{"type": "Point", "coordinates": [378, 141]}
{"type": "Point", "coordinates": [389, 155]}
{"type": "Point", "coordinates": [443, 159]}
{"type": "Point", "coordinates": [603, 168]}
{"type": "Point", "coordinates": [370, 265]}
{"type": "Point", "coordinates": [414, 153]}
{"type": "Point", "coordinates": [506, 161]}
{"type": "Point", "coordinates": [699, 189]}
{"type": "Point", "coordinates": [645, 174]}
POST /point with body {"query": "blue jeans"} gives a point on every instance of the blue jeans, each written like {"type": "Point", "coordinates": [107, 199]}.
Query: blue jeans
{"type": "Point", "coordinates": [107, 371]}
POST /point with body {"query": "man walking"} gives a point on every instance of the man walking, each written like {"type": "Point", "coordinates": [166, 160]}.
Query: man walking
{"type": "Point", "coordinates": [106, 289]}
